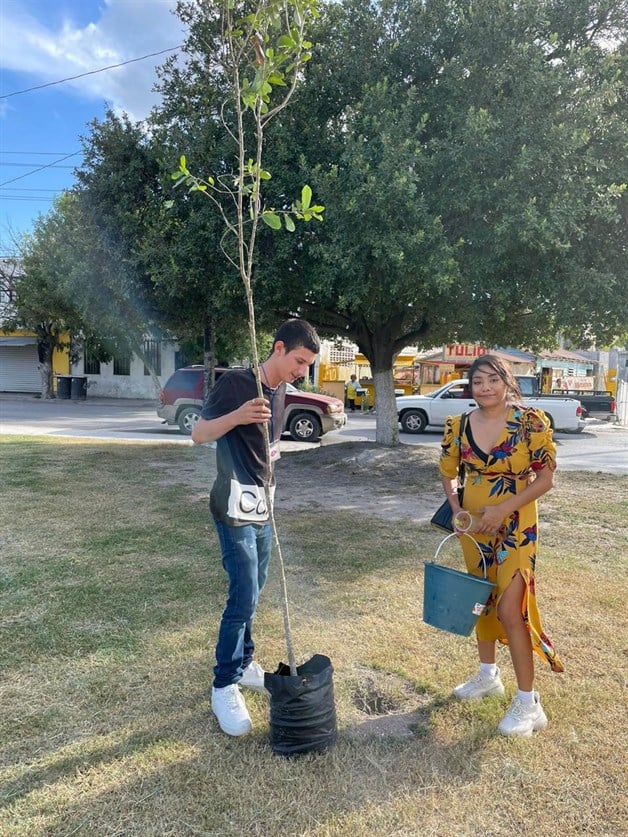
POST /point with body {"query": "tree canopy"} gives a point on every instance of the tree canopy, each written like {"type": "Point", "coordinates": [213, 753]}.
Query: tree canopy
{"type": "Point", "coordinates": [470, 156]}
{"type": "Point", "coordinates": [473, 172]}
{"type": "Point", "coordinates": [43, 298]}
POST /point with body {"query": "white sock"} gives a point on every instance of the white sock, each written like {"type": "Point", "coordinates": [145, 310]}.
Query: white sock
{"type": "Point", "coordinates": [526, 697]}
{"type": "Point", "coordinates": [488, 669]}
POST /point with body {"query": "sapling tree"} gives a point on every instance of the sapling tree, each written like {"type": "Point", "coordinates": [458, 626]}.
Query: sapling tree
{"type": "Point", "coordinates": [262, 49]}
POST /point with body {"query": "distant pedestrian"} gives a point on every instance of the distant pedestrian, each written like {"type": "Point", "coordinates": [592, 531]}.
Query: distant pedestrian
{"type": "Point", "coordinates": [351, 388]}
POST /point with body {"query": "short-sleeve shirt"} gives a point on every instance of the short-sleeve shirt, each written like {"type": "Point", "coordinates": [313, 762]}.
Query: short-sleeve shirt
{"type": "Point", "coordinates": [237, 496]}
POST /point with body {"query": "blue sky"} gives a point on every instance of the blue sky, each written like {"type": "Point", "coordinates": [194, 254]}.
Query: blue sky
{"type": "Point", "coordinates": [43, 41]}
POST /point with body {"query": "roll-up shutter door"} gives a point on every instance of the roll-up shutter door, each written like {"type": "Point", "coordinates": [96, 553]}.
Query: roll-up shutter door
{"type": "Point", "coordinates": [18, 369]}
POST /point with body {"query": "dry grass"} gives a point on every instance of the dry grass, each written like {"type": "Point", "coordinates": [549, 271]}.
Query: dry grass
{"type": "Point", "coordinates": [110, 594]}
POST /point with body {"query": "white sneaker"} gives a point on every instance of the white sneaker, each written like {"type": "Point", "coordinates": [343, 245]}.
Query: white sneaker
{"type": "Point", "coordinates": [230, 709]}
{"type": "Point", "coordinates": [523, 718]}
{"type": "Point", "coordinates": [480, 686]}
{"type": "Point", "coordinates": [253, 678]}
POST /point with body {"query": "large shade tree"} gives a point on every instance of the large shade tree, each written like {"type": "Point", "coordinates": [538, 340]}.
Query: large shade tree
{"type": "Point", "coordinates": [470, 160]}
{"type": "Point", "coordinates": [477, 192]}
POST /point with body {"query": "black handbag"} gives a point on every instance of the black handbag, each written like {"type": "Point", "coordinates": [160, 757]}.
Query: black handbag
{"type": "Point", "coordinates": [443, 517]}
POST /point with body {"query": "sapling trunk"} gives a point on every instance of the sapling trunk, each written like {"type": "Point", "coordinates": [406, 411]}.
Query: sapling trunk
{"type": "Point", "coordinates": [275, 66]}
{"type": "Point", "coordinates": [269, 498]}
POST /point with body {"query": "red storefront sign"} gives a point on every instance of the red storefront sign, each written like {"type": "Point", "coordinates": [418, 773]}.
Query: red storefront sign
{"type": "Point", "coordinates": [459, 352]}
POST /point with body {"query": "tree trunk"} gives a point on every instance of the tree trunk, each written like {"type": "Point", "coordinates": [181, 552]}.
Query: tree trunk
{"type": "Point", "coordinates": [45, 370]}
{"type": "Point", "coordinates": [378, 350]}
{"type": "Point", "coordinates": [209, 356]}
{"type": "Point", "coordinates": [387, 427]}
{"type": "Point", "coordinates": [45, 348]}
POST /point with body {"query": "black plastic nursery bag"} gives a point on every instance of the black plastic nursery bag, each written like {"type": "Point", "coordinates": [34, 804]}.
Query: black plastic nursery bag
{"type": "Point", "coordinates": [302, 709]}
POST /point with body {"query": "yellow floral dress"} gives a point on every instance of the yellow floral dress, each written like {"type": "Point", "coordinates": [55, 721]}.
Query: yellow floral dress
{"type": "Point", "coordinates": [525, 446]}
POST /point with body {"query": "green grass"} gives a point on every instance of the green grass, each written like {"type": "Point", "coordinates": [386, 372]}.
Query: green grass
{"type": "Point", "coordinates": [111, 590]}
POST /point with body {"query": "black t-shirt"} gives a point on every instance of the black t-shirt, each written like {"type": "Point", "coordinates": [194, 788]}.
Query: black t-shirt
{"type": "Point", "coordinates": [237, 496]}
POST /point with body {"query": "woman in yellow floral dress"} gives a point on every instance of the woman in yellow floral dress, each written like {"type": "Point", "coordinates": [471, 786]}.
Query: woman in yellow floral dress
{"type": "Point", "coordinates": [509, 460]}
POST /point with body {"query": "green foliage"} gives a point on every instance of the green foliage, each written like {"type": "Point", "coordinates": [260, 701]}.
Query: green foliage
{"type": "Point", "coordinates": [469, 160]}
{"type": "Point", "coordinates": [45, 301]}
{"type": "Point", "coordinates": [473, 169]}
{"type": "Point", "coordinates": [262, 47]}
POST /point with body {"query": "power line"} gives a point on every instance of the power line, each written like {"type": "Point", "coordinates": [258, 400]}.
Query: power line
{"type": "Point", "coordinates": [5, 198]}
{"type": "Point", "coordinates": [22, 189]}
{"type": "Point", "coordinates": [33, 165]}
{"type": "Point", "coordinates": [41, 168]}
{"type": "Point", "coordinates": [35, 153]}
{"type": "Point", "coordinates": [90, 73]}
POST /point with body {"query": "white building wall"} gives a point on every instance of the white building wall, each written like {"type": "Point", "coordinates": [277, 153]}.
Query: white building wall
{"type": "Point", "coordinates": [135, 385]}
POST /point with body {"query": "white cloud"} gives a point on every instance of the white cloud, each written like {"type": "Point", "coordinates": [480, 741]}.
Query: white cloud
{"type": "Point", "coordinates": [125, 29]}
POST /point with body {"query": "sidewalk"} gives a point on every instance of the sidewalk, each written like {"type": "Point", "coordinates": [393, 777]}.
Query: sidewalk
{"type": "Point", "coordinates": [94, 400]}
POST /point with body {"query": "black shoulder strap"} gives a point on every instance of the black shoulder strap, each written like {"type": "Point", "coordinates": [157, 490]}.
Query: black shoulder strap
{"type": "Point", "coordinates": [463, 424]}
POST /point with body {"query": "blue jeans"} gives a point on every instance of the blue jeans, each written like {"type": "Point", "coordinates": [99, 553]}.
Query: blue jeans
{"type": "Point", "coordinates": [245, 556]}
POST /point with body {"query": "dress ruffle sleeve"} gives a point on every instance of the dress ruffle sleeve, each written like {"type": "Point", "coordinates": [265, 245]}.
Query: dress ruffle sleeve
{"type": "Point", "coordinates": [539, 439]}
{"type": "Point", "coordinates": [450, 448]}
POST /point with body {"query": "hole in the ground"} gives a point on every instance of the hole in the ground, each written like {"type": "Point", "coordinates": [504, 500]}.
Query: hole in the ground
{"type": "Point", "coordinates": [373, 701]}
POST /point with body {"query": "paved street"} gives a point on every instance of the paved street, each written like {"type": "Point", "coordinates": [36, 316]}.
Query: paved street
{"type": "Point", "coordinates": [600, 447]}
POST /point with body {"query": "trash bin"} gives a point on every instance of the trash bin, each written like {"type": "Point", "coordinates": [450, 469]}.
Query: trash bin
{"type": "Point", "coordinates": [79, 388]}
{"type": "Point", "coordinates": [64, 385]}
{"type": "Point", "coordinates": [363, 395]}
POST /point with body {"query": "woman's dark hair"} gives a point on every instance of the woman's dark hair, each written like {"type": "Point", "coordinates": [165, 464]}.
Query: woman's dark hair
{"type": "Point", "coordinates": [499, 368]}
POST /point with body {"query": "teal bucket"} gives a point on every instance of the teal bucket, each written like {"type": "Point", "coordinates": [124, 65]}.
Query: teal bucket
{"type": "Point", "coordinates": [453, 600]}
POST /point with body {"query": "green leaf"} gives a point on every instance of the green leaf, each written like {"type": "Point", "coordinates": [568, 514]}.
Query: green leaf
{"type": "Point", "coordinates": [273, 220]}
{"type": "Point", "coordinates": [289, 223]}
{"type": "Point", "coordinates": [306, 197]}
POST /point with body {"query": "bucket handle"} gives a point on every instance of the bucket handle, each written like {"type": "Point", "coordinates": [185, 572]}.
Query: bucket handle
{"type": "Point", "coordinates": [467, 535]}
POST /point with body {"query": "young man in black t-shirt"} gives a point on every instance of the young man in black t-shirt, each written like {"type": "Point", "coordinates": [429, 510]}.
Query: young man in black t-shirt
{"type": "Point", "coordinates": [233, 416]}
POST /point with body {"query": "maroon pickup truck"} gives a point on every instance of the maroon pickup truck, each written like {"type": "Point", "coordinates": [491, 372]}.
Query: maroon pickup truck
{"type": "Point", "coordinates": [307, 416]}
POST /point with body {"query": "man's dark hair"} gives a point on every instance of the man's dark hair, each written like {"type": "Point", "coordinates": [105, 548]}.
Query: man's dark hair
{"type": "Point", "coordinates": [297, 334]}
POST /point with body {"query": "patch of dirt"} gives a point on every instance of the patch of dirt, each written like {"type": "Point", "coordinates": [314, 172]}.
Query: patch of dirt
{"type": "Point", "coordinates": [385, 705]}
{"type": "Point", "coordinates": [399, 483]}
{"type": "Point", "coordinates": [361, 477]}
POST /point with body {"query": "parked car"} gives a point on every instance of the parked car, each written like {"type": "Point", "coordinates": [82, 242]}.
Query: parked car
{"type": "Point", "coordinates": [308, 415]}
{"type": "Point", "coordinates": [417, 412]}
